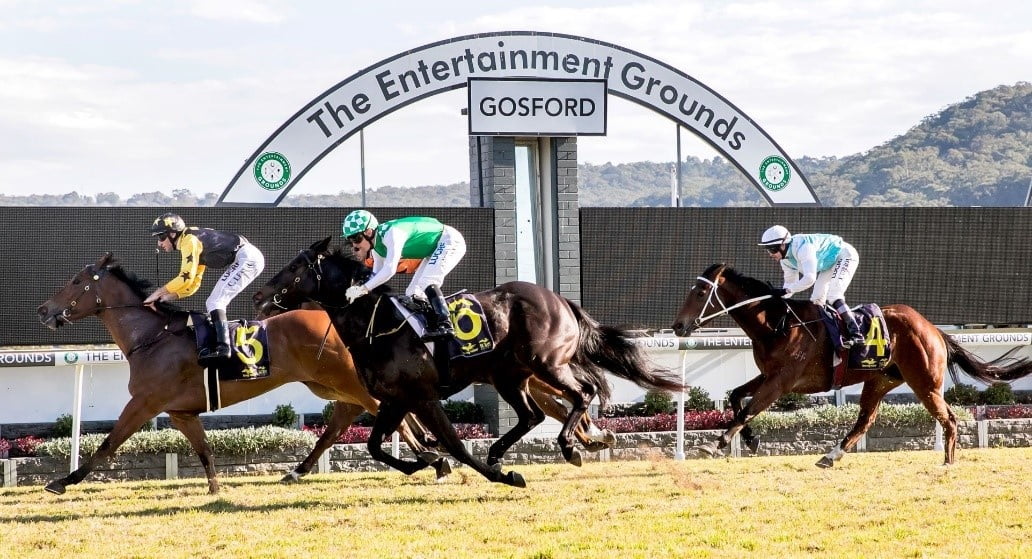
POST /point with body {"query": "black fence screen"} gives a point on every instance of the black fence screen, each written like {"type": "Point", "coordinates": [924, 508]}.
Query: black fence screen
{"type": "Point", "coordinates": [953, 265]}
{"type": "Point", "coordinates": [43, 247]}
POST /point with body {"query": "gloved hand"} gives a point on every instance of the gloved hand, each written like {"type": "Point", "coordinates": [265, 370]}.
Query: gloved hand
{"type": "Point", "coordinates": [354, 292]}
{"type": "Point", "coordinates": [780, 292]}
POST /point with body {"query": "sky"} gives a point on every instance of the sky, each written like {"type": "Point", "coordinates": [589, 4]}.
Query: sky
{"type": "Point", "coordinates": [129, 96]}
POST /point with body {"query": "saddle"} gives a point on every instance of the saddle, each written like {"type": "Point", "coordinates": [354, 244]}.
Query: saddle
{"type": "Point", "coordinates": [249, 355]}
{"type": "Point", "coordinates": [250, 347]}
{"type": "Point", "coordinates": [472, 332]}
{"type": "Point", "coordinates": [872, 355]}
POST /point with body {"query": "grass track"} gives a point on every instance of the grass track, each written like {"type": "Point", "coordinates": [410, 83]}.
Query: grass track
{"type": "Point", "coordinates": [899, 504]}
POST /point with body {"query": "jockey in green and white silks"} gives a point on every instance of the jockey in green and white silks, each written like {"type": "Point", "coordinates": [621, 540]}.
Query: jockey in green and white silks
{"type": "Point", "coordinates": [439, 246]}
{"type": "Point", "coordinates": [819, 260]}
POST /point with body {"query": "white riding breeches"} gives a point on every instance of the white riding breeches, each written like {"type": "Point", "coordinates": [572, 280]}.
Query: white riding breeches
{"type": "Point", "coordinates": [432, 271]}
{"type": "Point", "coordinates": [247, 265]}
{"type": "Point", "coordinates": [832, 283]}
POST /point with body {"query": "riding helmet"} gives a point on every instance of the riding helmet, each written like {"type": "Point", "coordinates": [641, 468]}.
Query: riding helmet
{"type": "Point", "coordinates": [357, 222]}
{"type": "Point", "coordinates": [167, 223]}
{"type": "Point", "coordinates": [774, 236]}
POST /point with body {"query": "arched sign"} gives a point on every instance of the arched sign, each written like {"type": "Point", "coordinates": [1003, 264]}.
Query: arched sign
{"type": "Point", "coordinates": [283, 159]}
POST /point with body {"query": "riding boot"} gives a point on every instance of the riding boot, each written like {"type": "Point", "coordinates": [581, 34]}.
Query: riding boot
{"type": "Point", "coordinates": [440, 327]}
{"type": "Point", "coordinates": [220, 349]}
{"type": "Point", "coordinates": [853, 335]}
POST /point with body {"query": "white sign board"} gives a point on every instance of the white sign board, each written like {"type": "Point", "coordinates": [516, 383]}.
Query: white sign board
{"type": "Point", "coordinates": [535, 107]}
{"type": "Point", "coordinates": [340, 112]}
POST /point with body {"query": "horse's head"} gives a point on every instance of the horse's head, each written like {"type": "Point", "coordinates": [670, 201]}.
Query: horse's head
{"type": "Point", "coordinates": [83, 295]}
{"type": "Point", "coordinates": [719, 291]}
{"type": "Point", "coordinates": [701, 300]}
{"type": "Point", "coordinates": [316, 274]}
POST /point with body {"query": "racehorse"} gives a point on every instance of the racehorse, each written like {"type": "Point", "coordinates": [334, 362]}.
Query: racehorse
{"type": "Point", "coordinates": [164, 375]}
{"type": "Point", "coordinates": [793, 351]}
{"type": "Point", "coordinates": [538, 334]}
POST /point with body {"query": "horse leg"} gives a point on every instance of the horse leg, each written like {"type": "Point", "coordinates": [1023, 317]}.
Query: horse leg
{"type": "Point", "coordinates": [529, 416]}
{"type": "Point", "coordinates": [343, 414]}
{"type": "Point", "coordinates": [431, 413]}
{"type": "Point", "coordinates": [388, 418]}
{"type": "Point", "coordinates": [591, 437]}
{"type": "Point", "coordinates": [941, 411]}
{"type": "Point", "coordinates": [415, 435]}
{"type": "Point", "coordinates": [129, 421]}
{"type": "Point", "coordinates": [189, 424]}
{"type": "Point", "coordinates": [737, 401]}
{"type": "Point", "coordinates": [767, 391]}
{"type": "Point", "coordinates": [870, 400]}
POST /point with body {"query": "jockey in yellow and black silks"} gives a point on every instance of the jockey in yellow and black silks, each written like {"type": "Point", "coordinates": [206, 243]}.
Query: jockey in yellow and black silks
{"type": "Point", "coordinates": [202, 248]}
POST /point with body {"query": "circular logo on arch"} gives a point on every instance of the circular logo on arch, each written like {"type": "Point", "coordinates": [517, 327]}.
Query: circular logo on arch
{"type": "Point", "coordinates": [775, 173]}
{"type": "Point", "coordinates": [272, 171]}
{"type": "Point", "coordinates": [71, 357]}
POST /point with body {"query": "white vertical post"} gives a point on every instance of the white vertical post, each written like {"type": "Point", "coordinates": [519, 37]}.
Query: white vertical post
{"type": "Point", "coordinates": [76, 417]}
{"type": "Point", "coordinates": [395, 445]}
{"type": "Point", "coordinates": [679, 447]}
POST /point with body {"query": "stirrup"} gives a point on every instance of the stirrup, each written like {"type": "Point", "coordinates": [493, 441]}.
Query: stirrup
{"type": "Point", "coordinates": [438, 334]}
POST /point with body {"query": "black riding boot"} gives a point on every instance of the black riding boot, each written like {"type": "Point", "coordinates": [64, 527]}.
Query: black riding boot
{"type": "Point", "coordinates": [441, 326]}
{"type": "Point", "coordinates": [221, 349]}
{"type": "Point", "coordinates": [853, 336]}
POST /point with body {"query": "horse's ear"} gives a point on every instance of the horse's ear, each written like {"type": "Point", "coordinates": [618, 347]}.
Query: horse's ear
{"type": "Point", "coordinates": [104, 260]}
{"type": "Point", "coordinates": [321, 246]}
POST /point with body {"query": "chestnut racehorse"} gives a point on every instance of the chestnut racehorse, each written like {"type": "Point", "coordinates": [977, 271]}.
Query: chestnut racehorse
{"type": "Point", "coordinates": [538, 334]}
{"type": "Point", "coordinates": [164, 375]}
{"type": "Point", "coordinates": [792, 349]}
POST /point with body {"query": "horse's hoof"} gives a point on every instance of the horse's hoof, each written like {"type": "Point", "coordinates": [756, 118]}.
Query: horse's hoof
{"type": "Point", "coordinates": [753, 444]}
{"type": "Point", "coordinates": [575, 458]}
{"type": "Point", "coordinates": [825, 462]}
{"type": "Point", "coordinates": [443, 469]}
{"type": "Point", "coordinates": [55, 487]}
{"type": "Point", "coordinates": [429, 456]}
{"type": "Point", "coordinates": [515, 479]}
{"type": "Point", "coordinates": [708, 450]}
{"type": "Point", "coordinates": [594, 446]}
{"type": "Point", "coordinates": [291, 478]}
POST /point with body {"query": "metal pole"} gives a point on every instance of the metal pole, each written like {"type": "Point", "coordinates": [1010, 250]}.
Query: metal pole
{"type": "Point", "coordinates": [361, 157]}
{"type": "Point", "coordinates": [673, 187]}
{"type": "Point", "coordinates": [679, 448]}
{"type": "Point", "coordinates": [678, 205]}
{"type": "Point", "coordinates": [76, 417]}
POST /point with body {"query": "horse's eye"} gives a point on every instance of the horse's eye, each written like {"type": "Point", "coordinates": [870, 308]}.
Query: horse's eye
{"type": "Point", "coordinates": [293, 267]}
{"type": "Point", "coordinates": [76, 281]}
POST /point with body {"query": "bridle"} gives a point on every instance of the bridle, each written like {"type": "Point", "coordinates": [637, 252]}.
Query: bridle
{"type": "Point", "coordinates": [312, 266]}
{"type": "Point", "coordinates": [90, 286]}
{"type": "Point", "coordinates": [315, 266]}
{"type": "Point", "coordinates": [95, 277]}
{"type": "Point", "coordinates": [724, 308]}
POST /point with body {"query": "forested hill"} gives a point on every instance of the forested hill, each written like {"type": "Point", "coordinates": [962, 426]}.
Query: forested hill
{"type": "Point", "coordinates": [977, 152]}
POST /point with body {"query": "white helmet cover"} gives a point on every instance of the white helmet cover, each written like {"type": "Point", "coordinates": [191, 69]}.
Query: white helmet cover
{"type": "Point", "coordinates": [775, 236]}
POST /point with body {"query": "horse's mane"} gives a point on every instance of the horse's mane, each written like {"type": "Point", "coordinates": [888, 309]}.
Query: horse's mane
{"type": "Point", "coordinates": [139, 286]}
{"type": "Point", "coordinates": [751, 286]}
{"type": "Point", "coordinates": [347, 260]}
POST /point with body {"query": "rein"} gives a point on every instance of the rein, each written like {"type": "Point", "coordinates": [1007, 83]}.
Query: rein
{"type": "Point", "coordinates": [372, 318]}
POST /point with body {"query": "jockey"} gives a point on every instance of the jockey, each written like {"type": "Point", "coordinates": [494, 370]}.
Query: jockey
{"type": "Point", "coordinates": [825, 262]}
{"type": "Point", "coordinates": [439, 248]}
{"type": "Point", "coordinates": [201, 249]}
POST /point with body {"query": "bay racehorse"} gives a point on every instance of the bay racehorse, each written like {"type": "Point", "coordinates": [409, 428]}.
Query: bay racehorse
{"type": "Point", "coordinates": [793, 352]}
{"type": "Point", "coordinates": [164, 375]}
{"type": "Point", "coordinates": [538, 334]}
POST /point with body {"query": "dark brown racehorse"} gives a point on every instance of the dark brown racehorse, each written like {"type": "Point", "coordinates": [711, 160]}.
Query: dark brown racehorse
{"type": "Point", "coordinates": [794, 354]}
{"type": "Point", "coordinates": [164, 375]}
{"type": "Point", "coordinates": [538, 334]}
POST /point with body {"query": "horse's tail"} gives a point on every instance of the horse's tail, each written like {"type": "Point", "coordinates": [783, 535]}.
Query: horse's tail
{"type": "Point", "coordinates": [1004, 368]}
{"type": "Point", "coordinates": [607, 348]}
